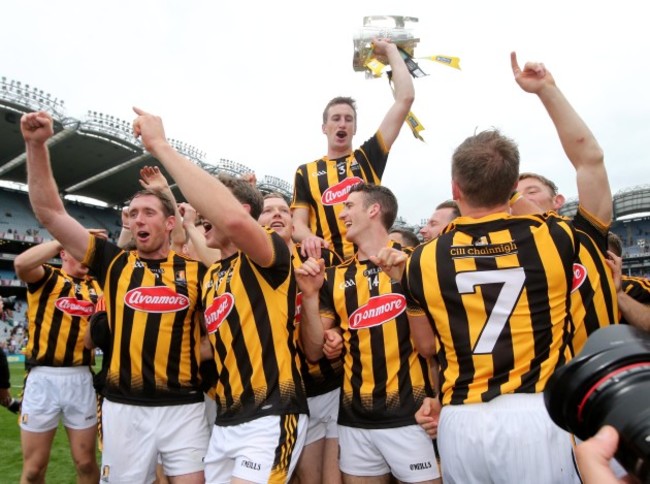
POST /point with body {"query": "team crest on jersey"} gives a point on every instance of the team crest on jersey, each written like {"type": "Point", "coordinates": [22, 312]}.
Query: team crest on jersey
{"type": "Point", "coordinates": [180, 278]}
{"type": "Point", "coordinates": [339, 193]}
{"type": "Point", "coordinates": [378, 310]}
{"type": "Point", "coordinates": [156, 299]}
{"type": "Point", "coordinates": [218, 311]}
{"type": "Point", "coordinates": [75, 307]}
{"type": "Point", "coordinates": [579, 276]}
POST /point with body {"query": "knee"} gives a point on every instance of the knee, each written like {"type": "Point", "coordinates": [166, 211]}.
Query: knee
{"type": "Point", "coordinates": [33, 474]}
{"type": "Point", "coordinates": [86, 466]}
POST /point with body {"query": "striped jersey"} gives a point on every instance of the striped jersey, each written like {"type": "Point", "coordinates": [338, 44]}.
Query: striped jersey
{"type": "Point", "coordinates": [249, 314]}
{"type": "Point", "coordinates": [323, 185]}
{"type": "Point", "coordinates": [59, 307]}
{"type": "Point", "coordinates": [594, 303]}
{"type": "Point", "coordinates": [324, 375]}
{"type": "Point", "coordinates": [154, 317]}
{"type": "Point", "coordinates": [638, 288]}
{"type": "Point", "coordinates": [385, 379]}
{"type": "Point", "coordinates": [496, 290]}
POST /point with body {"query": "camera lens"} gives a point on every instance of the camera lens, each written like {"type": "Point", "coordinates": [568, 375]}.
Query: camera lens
{"type": "Point", "coordinates": [608, 383]}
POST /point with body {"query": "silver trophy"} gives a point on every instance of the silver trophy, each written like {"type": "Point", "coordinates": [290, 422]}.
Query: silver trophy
{"type": "Point", "coordinates": [395, 27]}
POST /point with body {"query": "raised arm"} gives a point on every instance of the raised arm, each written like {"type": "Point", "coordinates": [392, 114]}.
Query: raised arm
{"type": "Point", "coordinates": [310, 277]}
{"type": "Point", "coordinates": [578, 142]}
{"type": "Point", "coordinates": [29, 264]}
{"type": "Point", "coordinates": [404, 91]}
{"type": "Point", "coordinates": [205, 193]}
{"type": "Point", "coordinates": [48, 207]}
{"type": "Point", "coordinates": [205, 254]}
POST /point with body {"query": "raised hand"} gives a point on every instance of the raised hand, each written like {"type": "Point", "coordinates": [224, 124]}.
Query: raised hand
{"type": "Point", "coordinates": [36, 127]}
{"type": "Point", "coordinates": [151, 178]}
{"type": "Point", "coordinates": [533, 78]}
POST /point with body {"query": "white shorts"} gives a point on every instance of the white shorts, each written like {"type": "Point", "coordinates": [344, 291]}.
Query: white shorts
{"type": "Point", "coordinates": [323, 413]}
{"type": "Point", "coordinates": [406, 452]}
{"type": "Point", "coordinates": [52, 393]}
{"type": "Point", "coordinates": [263, 450]}
{"type": "Point", "coordinates": [134, 437]}
{"type": "Point", "coordinates": [509, 439]}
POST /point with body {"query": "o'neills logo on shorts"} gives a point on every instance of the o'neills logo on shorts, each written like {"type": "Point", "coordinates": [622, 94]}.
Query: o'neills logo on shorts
{"type": "Point", "coordinates": [579, 276]}
{"type": "Point", "coordinates": [75, 307]}
{"type": "Point", "coordinates": [378, 310]}
{"type": "Point", "coordinates": [218, 311]}
{"type": "Point", "coordinates": [156, 299]}
{"type": "Point", "coordinates": [339, 192]}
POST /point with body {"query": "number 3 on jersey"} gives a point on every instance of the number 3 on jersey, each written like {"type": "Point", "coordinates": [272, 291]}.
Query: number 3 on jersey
{"type": "Point", "coordinates": [513, 282]}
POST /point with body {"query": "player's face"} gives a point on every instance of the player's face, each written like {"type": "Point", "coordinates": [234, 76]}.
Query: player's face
{"type": "Point", "coordinates": [340, 127]}
{"type": "Point", "coordinates": [354, 216]}
{"type": "Point", "coordinates": [277, 215]}
{"type": "Point", "coordinates": [72, 266]}
{"type": "Point", "coordinates": [438, 221]}
{"type": "Point", "coordinates": [538, 193]}
{"type": "Point", "coordinates": [150, 226]}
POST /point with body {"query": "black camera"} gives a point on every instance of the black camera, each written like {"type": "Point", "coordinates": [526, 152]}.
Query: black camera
{"type": "Point", "coordinates": [9, 302]}
{"type": "Point", "coordinates": [608, 383]}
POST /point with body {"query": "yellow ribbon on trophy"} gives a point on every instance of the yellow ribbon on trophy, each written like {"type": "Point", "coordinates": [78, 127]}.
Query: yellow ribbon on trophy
{"type": "Point", "coordinates": [376, 68]}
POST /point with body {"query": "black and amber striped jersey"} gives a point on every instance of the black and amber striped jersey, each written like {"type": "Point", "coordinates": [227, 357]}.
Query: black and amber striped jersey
{"type": "Point", "coordinates": [58, 309]}
{"type": "Point", "coordinates": [497, 291]}
{"type": "Point", "coordinates": [593, 296]}
{"type": "Point", "coordinates": [249, 313]}
{"type": "Point", "coordinates": [322, 185]}
{"type": "Point", "coordinates": [385, 379]}
{"type": "Point", "coordinates": [324, 375]}
{"type": "Point", "coordinates": [154, 317]}
{"type": "Point", "coordinates": [638, 288]}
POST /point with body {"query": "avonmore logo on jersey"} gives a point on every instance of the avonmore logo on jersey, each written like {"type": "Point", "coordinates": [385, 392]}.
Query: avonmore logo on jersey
{"type": "Point", "coordinates": [339, 192]}
{"type": "Point", "coordinates": [156, 299]}
{"type": "Point", "coordinates": [75, 307]}
{"type": "Point", "coordinates": [378, 310]}
{"type": "Point", "coordinates": [579, 276]}
{"type": "Point", "coordinates": [218, 311]}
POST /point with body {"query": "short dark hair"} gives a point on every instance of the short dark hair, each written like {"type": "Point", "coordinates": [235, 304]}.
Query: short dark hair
{"type": "Point", "coordinates": [381, 195]}
{"type": "Point", "coordinates": [486, 167]}
{"type": "Point", "coordinates": [450, 204]}
{"type": "Point", "coordinates": [340, 100]}
{"type": "Point", "coordinates": [168, 206]}
{"type": "Point", "coordinates": [614, 243]}
{"type": "Point", "coordinates": [275, 195]}
{"type": "Point", "coordinates": [548, 183]}
{"type": "Point", "coordinates": [408, 236]}
{"type": "Point", "coordinates": [244, 192]}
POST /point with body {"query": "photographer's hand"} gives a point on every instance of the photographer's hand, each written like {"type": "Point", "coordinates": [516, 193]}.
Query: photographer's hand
{"type": "Point", "coordinates": [594, 455]}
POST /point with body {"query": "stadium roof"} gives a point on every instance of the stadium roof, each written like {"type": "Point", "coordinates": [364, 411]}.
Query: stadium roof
{"type": "Point", "coordinates": [95, 157]}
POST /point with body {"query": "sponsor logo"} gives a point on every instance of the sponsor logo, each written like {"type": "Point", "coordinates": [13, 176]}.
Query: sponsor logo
{"type": "Point", "coordinates": [579, 276]}
{"type": "Point", "coordinates": [251, 465]}
{"type": "Point", "coordinates": [420, 466]}
{"type": "Point", "coordinates": [378, 310]}
{"type": "Point", "coordinates": [339, 193]}
{"type": "Point", "coordinates": [75, 307]}
{"type": "Point", "coordinates": [218, 311]}
{"type": "Point", "coordinates": [297, 316]}
{"type": "Point", "coordinates": [156, 299]}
